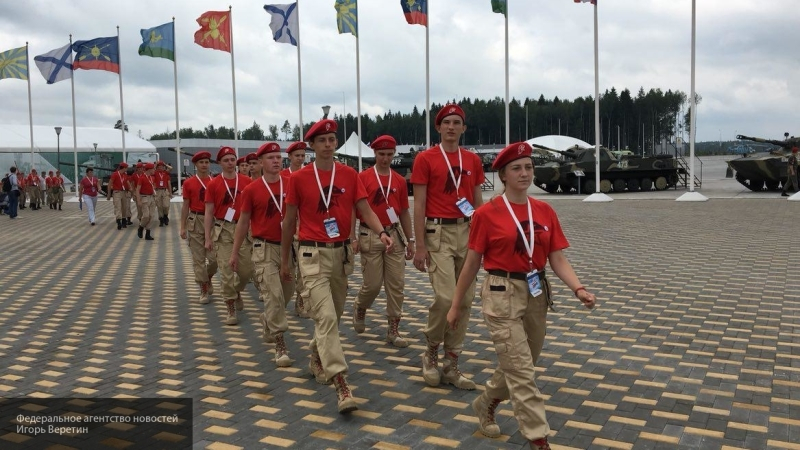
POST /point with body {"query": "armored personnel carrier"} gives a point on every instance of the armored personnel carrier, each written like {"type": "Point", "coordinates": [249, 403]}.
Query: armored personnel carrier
{"type": "Point", "coordinates": [576, 171]}
{"type": "Point", "coordinates": [764, 170]}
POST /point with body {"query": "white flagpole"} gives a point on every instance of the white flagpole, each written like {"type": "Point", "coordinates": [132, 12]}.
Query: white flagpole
{"type": "Point", "coordinates": [427, 82]}
{"type": "Point", "coordinates": [299, 74]}
{"type": "Point", "coordinates": [30, 105]}
{"type": "Point", "coordinates": [233, 81]}
{"type": "Point", "coordinates": [179, 167]}
{"type": "Point", "coordinates": [74, 126]}
{"type": "Point", "coordinates": [121, 105]}
{"type": "Point", "coordinates": [597, 196]}
{"type": "Point", "coordinates": [358, 97]}
{"type": "Point", "coordinates": [508, 113]}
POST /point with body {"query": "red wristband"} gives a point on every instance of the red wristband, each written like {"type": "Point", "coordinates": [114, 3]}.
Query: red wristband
{"type": "Point", "coordinates": [581, 288]}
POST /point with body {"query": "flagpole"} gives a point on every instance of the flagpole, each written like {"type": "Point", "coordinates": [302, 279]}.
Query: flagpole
{"type": "Point", "coordinates": [299, 74]}
{"type": "Point", "coordinates": [121, 105]}
{"type": "Point", "coordinates": [427, 80]}
{"type": "Point", "coordinates": [508, 116]}
{"type": "Point", "coordinates": [597, 196]}
{"type": "Point", "coordinates": [358, 97]}
{"type": "Point", "coordinates": [74, 125]}
{"type": "Point", "coordinates": [233, 81]}
{"type": "Point", "coordinates": [30, 105]}
{"type": "Point", "coordinates": [177, 123]}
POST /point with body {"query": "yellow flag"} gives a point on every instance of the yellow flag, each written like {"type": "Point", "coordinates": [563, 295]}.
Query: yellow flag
{"type": "Point", "coordinates": [14, 63]}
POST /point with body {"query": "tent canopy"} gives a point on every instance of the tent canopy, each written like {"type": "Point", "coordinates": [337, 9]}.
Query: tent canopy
{"type": "Point", "coordinates": [17, 139]}
{"type": "Point", "coordinates": [350, 147]}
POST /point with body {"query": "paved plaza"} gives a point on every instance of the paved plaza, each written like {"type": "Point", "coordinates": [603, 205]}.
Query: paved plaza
{"type": "Point", "coordinates": [695, 343]}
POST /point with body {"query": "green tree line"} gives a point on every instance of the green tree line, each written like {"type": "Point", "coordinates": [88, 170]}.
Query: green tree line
{"type": "Point", "coordinates": [626, 121]}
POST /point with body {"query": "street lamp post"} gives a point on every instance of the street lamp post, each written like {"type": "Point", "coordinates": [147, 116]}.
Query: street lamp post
{"type": "Point", "coordinates": [325, 110]}
{"type": "Point", "coordinates": [58, 139]}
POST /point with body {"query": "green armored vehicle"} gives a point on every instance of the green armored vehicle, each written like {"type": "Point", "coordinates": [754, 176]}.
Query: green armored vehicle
{"type": "Point", "coordinates": [764, 170]}
{"type": "Point", "coordinates": [629, 173]}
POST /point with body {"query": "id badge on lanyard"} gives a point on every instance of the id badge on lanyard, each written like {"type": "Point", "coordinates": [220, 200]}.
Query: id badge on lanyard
{"type": "Point", "coordinates": [230, 214]}
{"type": "Point", "coordinates": [534, 284]}
{"type": "Point", "coordinates": [392, 215]}
{"type": "Point", "coordinates": [331, 227]}
{"type": "Point", "coordinates": [465, 207]}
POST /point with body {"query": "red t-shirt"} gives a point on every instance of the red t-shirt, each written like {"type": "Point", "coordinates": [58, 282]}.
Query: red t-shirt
{"type": "Point", "coordinates": [304, 193]}
{"type": "Point", "coordinates": [161, 179]}
{"type": "Point", "coordinates": [90, 186]}
{"type": "Point", "coordinates": [48, 181]}
{"type": "Point", "coordinates": [288, 171]}
{"type": "Point", "coordinates": [58, 181]}
{"type": "Point", "coordinates": [494, 234]}
{"type": "Point", "coordinates": [226, 197]}
{"type": "Point", "coordinates": [397, 194]}
{"type": "Point", "coordinates": [194, 192]}
{"type": "Point", "coordinates": [119, 181]}
{"type": "Point", "coordinates": [146, 184]}
{"type": "Point", "coordinates": [431, 169]}
{"type": "Point", "coordinates": [265, 218]}
{"type": "Point", "coordinates": [32, 180]}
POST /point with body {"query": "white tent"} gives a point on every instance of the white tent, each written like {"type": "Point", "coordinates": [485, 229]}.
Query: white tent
{"type": "Point", "coordinates": [350, 148]}
{"type": "Point", "coordinates": [17, 139]}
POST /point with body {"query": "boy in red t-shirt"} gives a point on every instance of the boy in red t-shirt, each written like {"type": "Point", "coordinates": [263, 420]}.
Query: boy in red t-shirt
{"type": "Point", "coordinates": [296, 154]}
{"type": "Point", "coordinates": [447, 183]}
{"type": "Point", "coordinates": [163, 184]}
{"type": "Point", "coordinates": [323, 196]}
{"type": "Point", "coordinates": [192, 227]}
{"type": "Point", "coordinates": [145, 198]}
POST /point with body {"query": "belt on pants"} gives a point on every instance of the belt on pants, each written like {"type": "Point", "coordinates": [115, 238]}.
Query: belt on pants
{"type": "Point", "coordinates": [260, 240]}
{"type": "Point", "coordinates": [336, 244]}
{"type": "Point", "coordinates": [522, 276]}
{"type": "Point", "coordinates": [387, 229]}
{"type": "Point", "coordinates": [446, 221]}
{"type": "Point", "coordinates": [198, 213]}
{"type": "Point", "coordinates": [219, 222]}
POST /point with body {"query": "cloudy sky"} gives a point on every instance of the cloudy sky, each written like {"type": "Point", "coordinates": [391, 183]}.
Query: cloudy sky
{"type": "Point", "coordinates": [748, 60]}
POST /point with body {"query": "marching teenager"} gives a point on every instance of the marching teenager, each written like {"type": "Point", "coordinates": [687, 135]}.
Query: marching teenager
{"type": "Point", "coordinates": [193, 226]}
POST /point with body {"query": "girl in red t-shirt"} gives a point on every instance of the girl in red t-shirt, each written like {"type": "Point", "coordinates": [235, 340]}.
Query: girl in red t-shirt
{"type": "Point", "coordinates": [515, 235]}
{"type": "Point", "coordinates": [87, 191]}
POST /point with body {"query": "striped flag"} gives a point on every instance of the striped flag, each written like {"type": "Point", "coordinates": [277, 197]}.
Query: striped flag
{"type": "Point", "coordinates": [347, 16]}
{"type": "Point", "coordinates": [14, 63]}
{"type": "Point", "coordinates": [55, 65]}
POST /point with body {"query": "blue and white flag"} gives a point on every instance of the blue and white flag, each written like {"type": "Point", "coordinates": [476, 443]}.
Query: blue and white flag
{"type": "Point", "coordinates": [284, 24]}
{"type": "Point", "coordinates": [55, 65]}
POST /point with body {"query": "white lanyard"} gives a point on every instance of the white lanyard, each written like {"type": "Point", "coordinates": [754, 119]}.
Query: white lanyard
{"type": "Point", "coordinates": [235, 190]}
{"type": "Point", "coordinates": [290, 169]}
{"type": "Point", "coordinates": [380, 186]}
{"type": "Point", "coordinates": [327, 201]}
{"type": "Point", "coordinates": [201, 183]}
{"type": "Point", "coordinates": [150, 179]}
{"type": "Point", "coordinates": [278, 204]}
{"type": "Point", "coordinates": [91, 182]}
{"type": "Point", "coordinates": [528, 243]}
{"type": "Point", "coordinates": [457, 182]}
{"type": "Point", "coordinates": [119, 175]}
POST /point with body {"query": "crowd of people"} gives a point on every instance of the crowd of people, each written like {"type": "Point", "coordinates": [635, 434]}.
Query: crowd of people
{"type": "Point", "coordinates": [31, 191]}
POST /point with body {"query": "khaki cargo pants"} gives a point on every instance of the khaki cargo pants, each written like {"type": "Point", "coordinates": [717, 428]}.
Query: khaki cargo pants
{"type": "Point", "coordinates": [148, 209]}
{"type": "Point", "coordinates": [447, 248]}
{"type": "Point", "coordinates": [382, 269]}
{"type": "Point", "coordinates": [325, 272]}
{"type": "Point", "coordinates": [517, 324]}
{"type": "Point", "coordinates": [121, 204]}
{"type": "Point", "coordinates": [275, 293]}
{"type": "Point", "coordinates": [204, 263]}
{"type": "Point", "coordinates": [57, 196]}
{"type": "Point", "coordinates": [232, 282]}
{"type": "Point", "coordinates": [162, 202]}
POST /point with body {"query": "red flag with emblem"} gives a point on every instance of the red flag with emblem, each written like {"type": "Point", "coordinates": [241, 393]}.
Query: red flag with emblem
{"type": "Point", "coordinates": [215, 30]}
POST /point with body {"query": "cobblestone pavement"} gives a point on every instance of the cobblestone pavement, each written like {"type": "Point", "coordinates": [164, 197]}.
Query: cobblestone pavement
{"type": "Point", "coordinates": [695, 344]}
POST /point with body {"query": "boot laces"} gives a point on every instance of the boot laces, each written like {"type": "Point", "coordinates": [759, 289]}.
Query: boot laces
{"type": "Point", "coordinates": [541, 444]}
{"type": "Point", "coordinates": [361, 314]}
{"type": "Point", "coordinates": [342, 387]}
{"type": "Point", "coordinates": [204, 288]}
{"type": "Point", "coordinates": [393, 326]}
{"type": "Point", "coordinates": [453, 367]}
{"type": "Point", "coordinates": [231, 307]}
{"type": "Point", "coordinates": [280, 344]}
{"type": "Point", "coordinates": [433, 354]}
{"type": "Point", "coordinates": [491, 409]}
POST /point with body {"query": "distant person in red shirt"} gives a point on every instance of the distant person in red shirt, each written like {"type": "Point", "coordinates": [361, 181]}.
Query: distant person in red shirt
{"type": "Point", "coordinates": [297, 157]}
{"type": "Point", "coordinates": [193, 227]}
{"type": "Point", "coordinates": [243, 167]}
{"type": "Point", "coordinates": [133, 182]}
{"type": "Point", "coordinates": [145, 195]}
{"type": "Point", "coordinates": [515, 235]}
{"type": "Point", "coordinates": [447, 183]}
{"type": "Point", "coordinates": [48, 182]}
{"type": "Point", "coordinates": [163, 184]}
{"type": "Point", "coordinates": [253, 166]}
{"type": "Point", "coordinates": [34, 193]}
{"type": "Point", "coordinates": [118, 190]}
{"type": "Point", "coordinates": [322, 196]}
{"type": "Point", "coordinates": [58, 189]}
{"type": "Point", "coordinates": [223, 207]}
{"type": "Point", "coordinates": [263, 207]}
{"type": "Point", "coordinates": [387, 196]}
{"type": "Point", "coordinates": [21, 182]}
{"type": "Point", "coordinates": [87, 190]}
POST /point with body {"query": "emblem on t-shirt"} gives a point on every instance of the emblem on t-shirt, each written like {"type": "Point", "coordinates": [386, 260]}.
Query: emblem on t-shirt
{"type": "Point", "coordinates": [334, 198]}
{"type": "Point", "coordinates": [378, 198]}
{"type": "Point", "coordinates": [202, 194]}
{"type": "Point", "coordinates": [519, 245]}
{"type": "Point", "coordinates": [228, 200]}
{"type": "Point", "coordinates": [449, 185]}
{"type": "Point", "coordinates": [272, 209]}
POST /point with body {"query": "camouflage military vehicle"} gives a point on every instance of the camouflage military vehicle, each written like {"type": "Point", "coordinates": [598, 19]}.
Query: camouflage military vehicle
{"type": "Point", "coordinates": [764, 170]}
{"type": "Point", "coordinates": [402, 164]}
{"type": "Point", "coordinates": [631, 173]}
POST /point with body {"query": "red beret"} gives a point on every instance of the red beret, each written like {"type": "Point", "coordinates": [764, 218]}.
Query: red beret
{"type": "Point", "coordinates": [384, 142]}
{"type": "Point", "coordinates": [149, 166]}
{"type": "Point", "coordinates": [199, 156]}
{"type": "Point", "coordinates": [300, 145]}
{"type": "Point", "coordinates": [138, 165]}
{"type": "Point", "coordinates": [123, 165]}
{"type": "Point", "coordinates": [225, 151]}
{"type": "Point", "coordinates": [324, 126]}
{"type": "Point", "coordinates": [241, 160]}
{"type": "Point", "coordinates": [250, 157]}
{"type": "Point", "coordinates": [449, 110]}
{"type": "Point", "coordinates": [161, 163]}
{"type": "Point", "coordinates": [512, 153]}
{"type": "Point", "coordinates": [269, 147]}
{"type": "Point", "coordinates": [794, 150]}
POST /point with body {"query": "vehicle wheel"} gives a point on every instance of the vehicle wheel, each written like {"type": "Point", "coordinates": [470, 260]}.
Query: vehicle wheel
{"type": "Point", "coordinates": [646, 184]}
{"type": "Point", "coordinates": [633, 185]}
{"type": "Point", "coordinates": [619, 185]}
{"type": "Point", "coordinates": [756, 185]}
{"type": "Point", "coordinates": [772, 185]}
{"type": "Point", "coordinates": [661, 183]}
{"type": "Point", "coordinates": [551, 188]}
{"type": "Point", "coordinates": [605, 186]}
{"type": "Point", "coordinates": [588, 187]}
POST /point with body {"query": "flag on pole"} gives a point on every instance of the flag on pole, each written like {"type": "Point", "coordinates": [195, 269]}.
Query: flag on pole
{"type": "Point", "coordinates": [14, 63]}
{"type": "Point", "coordinates": [347, 16]}
{"type": "Point", "coordinates": [284, 23]}
{"type": "Point", "coordinates": [500, 7]}
{"type": "Point", "coordinates": [158, 42]}
{"type": "Point", "coordinates": [55, 65]}
{"type": "Point", "coordinates": [97, 54]}
{"type": "Point", "coordinates": [594, 2]}
{"type": "Point", "coordinates": [215, 30]}
{"type": "Point", "coordinates": [416, 11]}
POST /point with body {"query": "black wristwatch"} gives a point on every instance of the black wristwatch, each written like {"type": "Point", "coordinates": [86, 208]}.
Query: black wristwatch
{"type": "Point", "coordinates": [383, 232]}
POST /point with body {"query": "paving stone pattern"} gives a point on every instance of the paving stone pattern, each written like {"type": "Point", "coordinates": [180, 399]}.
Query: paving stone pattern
{"type": "Point", "coordinates": [695, 344]}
